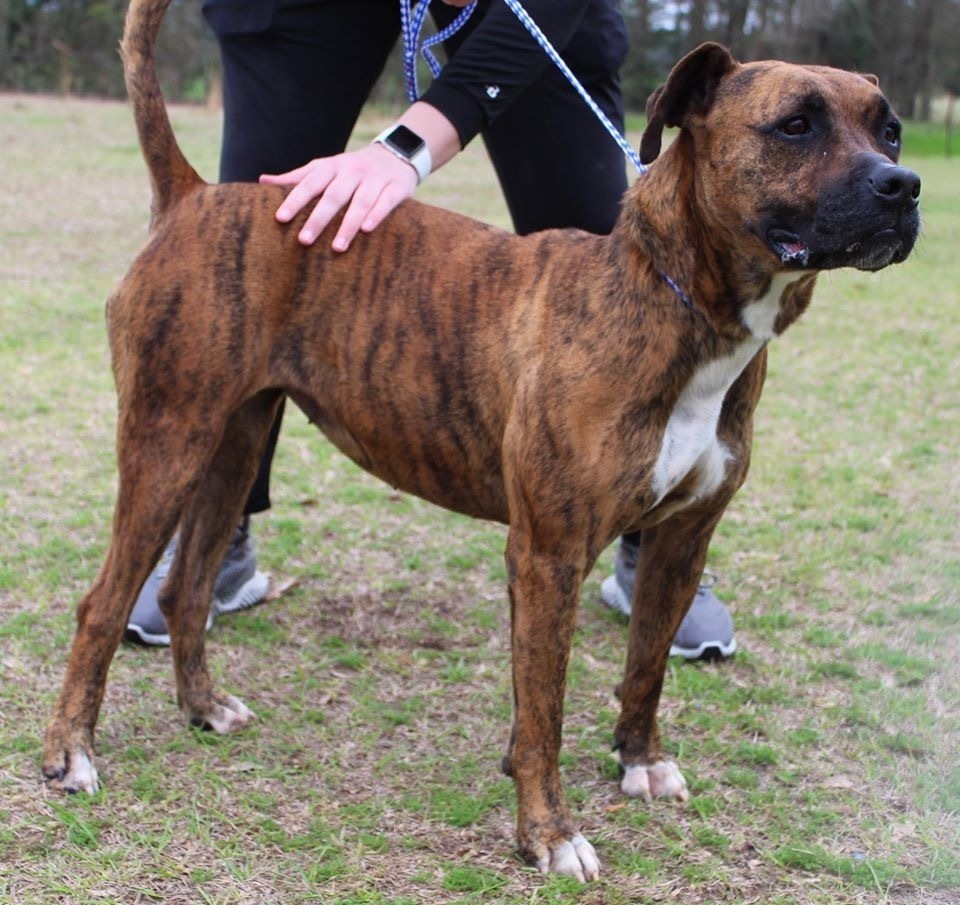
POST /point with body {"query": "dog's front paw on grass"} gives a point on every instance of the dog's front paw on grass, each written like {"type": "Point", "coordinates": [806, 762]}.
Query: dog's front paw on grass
{"type": "Point", "coordinates": [661, 779]}
{"type": "Point", "coordinates": [225, 713]}
{"type": "Point", "coordinates": [71, 770]}
{"type": "Point", "coordinates": [573, 857]}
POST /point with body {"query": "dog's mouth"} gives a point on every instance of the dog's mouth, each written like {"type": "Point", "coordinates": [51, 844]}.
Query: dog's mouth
{"type": "Point", "coordinates": [788, 247]}
{"type": "Point", "coordinates": [871, 251]}
{"type": "Point", "coordinates": [884, 247]}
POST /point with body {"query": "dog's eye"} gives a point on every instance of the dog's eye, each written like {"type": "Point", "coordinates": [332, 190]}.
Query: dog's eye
{"type": "Point", "coordinates": [891, 134]}
{"type": "Point", "coordinates": [798, 125]}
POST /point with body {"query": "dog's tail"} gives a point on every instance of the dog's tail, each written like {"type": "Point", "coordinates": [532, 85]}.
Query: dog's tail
{"type": "Point", "coordinates": [171, 176]}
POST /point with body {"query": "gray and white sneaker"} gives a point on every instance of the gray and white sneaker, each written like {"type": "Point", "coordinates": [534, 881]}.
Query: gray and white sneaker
{"type": "Point", "coordinates": [706, 630]}
{"type": "Point", "coordinates": [239, 585]}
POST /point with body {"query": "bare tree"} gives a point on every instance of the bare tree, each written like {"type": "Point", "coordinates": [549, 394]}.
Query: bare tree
{"type": "Point", "coordinates": [696, 22]}
{"type": "Point", "coordinates": [4, 39]}
{"type": "Point", "coordinates": [734, 21]}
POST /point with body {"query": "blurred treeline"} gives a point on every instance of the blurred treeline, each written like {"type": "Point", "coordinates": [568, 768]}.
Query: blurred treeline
{"type": "Point", "coordinates": [70, 46]}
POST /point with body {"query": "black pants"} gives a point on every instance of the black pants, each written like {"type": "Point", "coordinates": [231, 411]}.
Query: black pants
{"type": "Point", "coordinates": [295, 91]}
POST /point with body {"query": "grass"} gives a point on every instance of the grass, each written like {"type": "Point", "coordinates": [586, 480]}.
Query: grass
{"type": "Point", "coordinates": [824, 760]}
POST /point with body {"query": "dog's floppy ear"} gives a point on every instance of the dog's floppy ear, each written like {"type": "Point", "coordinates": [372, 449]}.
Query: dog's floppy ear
{"type": "Point", "coordinates": [689, 88]}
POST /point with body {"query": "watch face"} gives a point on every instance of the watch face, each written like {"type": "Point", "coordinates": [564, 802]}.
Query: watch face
{"type": "Point", "coordinates": [405, 141]}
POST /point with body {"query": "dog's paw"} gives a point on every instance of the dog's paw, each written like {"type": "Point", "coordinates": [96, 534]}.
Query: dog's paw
{"type": "Point", "coordinates": [225, 714]}
{"type": "Point", "coordinates": [73, 771]}
{"type": "Point", "coordinates": [572, 858]}
{"type": "Point", "coordinates": [661, 779]}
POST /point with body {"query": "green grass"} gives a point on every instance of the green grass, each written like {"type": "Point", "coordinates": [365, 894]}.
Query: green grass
{"type": "Point", "coordinates": [931, 140]}
{"type": "Point", "coordinates": [824, 760]}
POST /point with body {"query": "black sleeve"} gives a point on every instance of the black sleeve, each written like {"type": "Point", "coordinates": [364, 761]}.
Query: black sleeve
{"type": "Point", "coordinates": [497, 60]}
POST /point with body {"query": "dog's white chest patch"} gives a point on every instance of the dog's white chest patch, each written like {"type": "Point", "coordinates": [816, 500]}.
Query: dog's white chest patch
{"type": "Point", "coordinates": [690, 439]}
{"type": "Point", "coordinates": [760, 317]}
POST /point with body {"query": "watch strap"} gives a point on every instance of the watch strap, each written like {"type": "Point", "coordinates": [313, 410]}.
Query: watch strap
{"type": "Point", "coordinates": [420, 160]}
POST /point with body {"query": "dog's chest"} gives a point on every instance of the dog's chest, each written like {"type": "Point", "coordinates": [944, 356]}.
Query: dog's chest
{"type": "Point", "coordinates": [690, 442]}
{"type": "Point", "coordinates": [760, 317]}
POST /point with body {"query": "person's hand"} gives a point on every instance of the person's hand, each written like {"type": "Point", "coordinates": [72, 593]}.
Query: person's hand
{"type": "Point", "coordinates": [369, 183]}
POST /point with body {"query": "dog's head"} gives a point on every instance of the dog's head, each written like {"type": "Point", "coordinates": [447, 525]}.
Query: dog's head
{"type": "Point", "coordinates": [801, 160]}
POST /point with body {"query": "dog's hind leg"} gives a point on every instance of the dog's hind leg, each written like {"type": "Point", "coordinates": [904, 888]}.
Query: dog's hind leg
{"type": "Point", "coordinates": [159, 463]}
{"type": "Point", "coordinates": [208, 522]}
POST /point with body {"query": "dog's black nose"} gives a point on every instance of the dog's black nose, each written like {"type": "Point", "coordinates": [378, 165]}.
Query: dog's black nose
{"type": "Point", "coordinates": [897, 186]}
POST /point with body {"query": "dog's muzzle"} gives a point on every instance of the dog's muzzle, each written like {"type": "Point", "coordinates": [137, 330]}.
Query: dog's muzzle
{"type": "Point", "coordinates": [868, 221]}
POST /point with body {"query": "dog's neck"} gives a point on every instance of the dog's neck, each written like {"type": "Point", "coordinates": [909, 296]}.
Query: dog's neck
{"type": "Point", "coordinates": [661, 223]}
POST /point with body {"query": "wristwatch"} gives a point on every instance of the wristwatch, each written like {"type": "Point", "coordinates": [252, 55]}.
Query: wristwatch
{"type": "Point", "coordinates": [408, 146]}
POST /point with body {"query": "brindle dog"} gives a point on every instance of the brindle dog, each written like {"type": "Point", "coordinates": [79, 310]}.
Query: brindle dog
{"type": "Point", "coordinates": [558, 383]}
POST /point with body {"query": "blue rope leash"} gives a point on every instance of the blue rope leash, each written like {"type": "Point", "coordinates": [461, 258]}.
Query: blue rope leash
{"type": "Point", "coordinates": [411, 24]}
{"type": "Point", "coordinates": [411, 21]}
{"type": "Point", "coordinates": [534, 29]}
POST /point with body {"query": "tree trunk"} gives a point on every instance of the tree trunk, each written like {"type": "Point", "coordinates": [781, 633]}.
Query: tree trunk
{"type": "Point", "coordinates": [697, 23]}
{"type": "Point", "coordinates": [924, 17]}
{"type": "Point", "coordinates": [948, 124]}
{"type": "Point", "coordinates": [736, 16]}
{"type": "Point", "coordinates": [4, 41]}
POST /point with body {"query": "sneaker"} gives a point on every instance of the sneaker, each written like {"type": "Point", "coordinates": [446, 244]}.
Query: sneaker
{"type": "Point", "coordinates": [617, 589]}
{"type": "Point", "coordinates": [706, 630]}
{"type": "Point", "coordinates": [239, 585]}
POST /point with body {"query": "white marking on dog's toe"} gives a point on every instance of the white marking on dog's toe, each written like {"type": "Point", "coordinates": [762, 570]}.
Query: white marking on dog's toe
{"type": "Point", "coordinates": [82, 775]}
{"type": "Point", "coordinates": [636, 783]}
{"type": "Point", "coordinates": [588, 857]}
{"type": "Point", "coordinates": [239, 708]}
{"type": "Point", "coordinates": [575, 858]}
{"type": "Point", "coordinates": [233, 714]}
{"type": "Point", "coordinates": [543, 863]}
{"type": "Point", "coordinates": [666, 781]}
{"type": "Point", "coordinates": [661, 779]}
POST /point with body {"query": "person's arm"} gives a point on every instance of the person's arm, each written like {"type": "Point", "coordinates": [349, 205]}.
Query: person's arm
{"type": "Point", "coordinates": [372, 181]}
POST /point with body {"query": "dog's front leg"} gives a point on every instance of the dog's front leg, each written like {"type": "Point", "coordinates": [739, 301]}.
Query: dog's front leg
{"type": "Point", "coordinates": [544, 591]}
{"type": "Point", "coordinates": [671, 561]}
{"type": "Point", "coordinates": [672, 557]}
